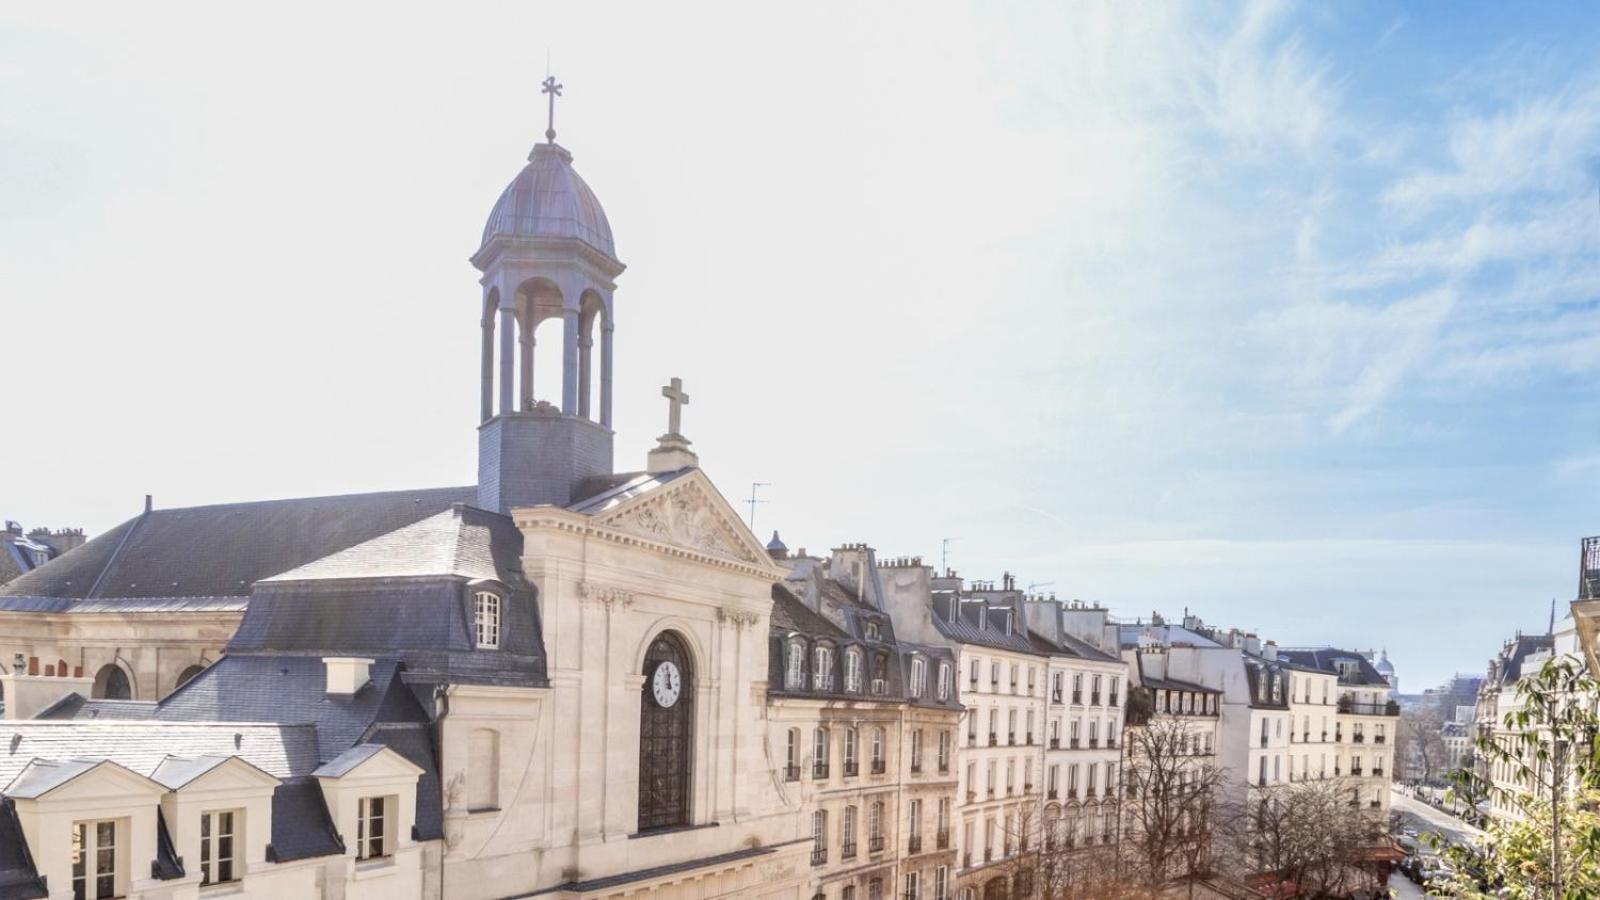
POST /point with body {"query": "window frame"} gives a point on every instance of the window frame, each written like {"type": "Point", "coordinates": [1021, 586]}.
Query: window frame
{"type": "Point", "coordinates": [486, 615]}
{"type": "Point", "coordinates": [387, 806]}
{"type": "Point", "coordinates": [211, 838]}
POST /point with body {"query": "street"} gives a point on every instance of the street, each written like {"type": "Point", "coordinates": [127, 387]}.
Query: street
{"type": "Point", "coordinates": [1425, 818]}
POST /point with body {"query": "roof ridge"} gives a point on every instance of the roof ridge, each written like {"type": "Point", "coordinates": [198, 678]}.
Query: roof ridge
{"type": "Point", "coordinates": [116, 552]}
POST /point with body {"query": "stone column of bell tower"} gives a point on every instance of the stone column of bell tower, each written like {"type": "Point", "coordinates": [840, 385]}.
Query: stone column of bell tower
{"type": "Point", "coordinates": [547, 253]}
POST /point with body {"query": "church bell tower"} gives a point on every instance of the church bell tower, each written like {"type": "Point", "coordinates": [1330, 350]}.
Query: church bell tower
{"type": "Point", "coordinates": [547, 253]}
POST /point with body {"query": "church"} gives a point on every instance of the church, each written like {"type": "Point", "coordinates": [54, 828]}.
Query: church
{"type": "Point", "coordinates": [555, 681]}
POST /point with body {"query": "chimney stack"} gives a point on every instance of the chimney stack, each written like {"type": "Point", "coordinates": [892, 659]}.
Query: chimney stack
{"type": "Point", "coordinates": [346, 674]}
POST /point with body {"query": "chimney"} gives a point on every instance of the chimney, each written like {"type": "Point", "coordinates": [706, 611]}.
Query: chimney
{"type": "Point", "coordinates": [346, 674]}
{"type": "Point", "coordinates": [149, 503]}
{"type": "Point", "coordinates": [1270, 650]}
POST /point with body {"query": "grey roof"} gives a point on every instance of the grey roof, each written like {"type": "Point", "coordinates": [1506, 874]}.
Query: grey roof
{"type": "Point", "coordinates": [1067, 645]}
{"type": "Point", "coordinates": [341, 765]}
{"type": "Point", "coordinates": [615, 490]}
{"type": "Point", "coordinates": [19, 880]}
{"type": "Point", "coordinates": [547, 199]}
{"type": "Point", "coordinates": [77, 706]}
{"type": "Point", "coordinates": [220, 551]}
{"type": "Point", "coordinates": [967, 630]}
{"type": "Point", "coordinates": [41, 776]}
{"type": "Point", "coordinates": [176, 771]}
{"type": "Point", "coordinates": [1323, 659]}
{"type": "Point", "coordinates": [301, 826]}
{"type": "Point", "coordinates": [408, 596]}
{"type": "Point", "coordinates": [1168, 635]}
{"type": "Point", "coordinates": [278, 750]}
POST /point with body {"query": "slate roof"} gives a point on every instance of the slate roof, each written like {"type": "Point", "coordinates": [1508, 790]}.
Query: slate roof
{"type": "Point", "coordinates": [966, 629]}
{"type": "Point", "coordinates": [176, 771]}
{"type": "Point", "coordinates": [791, 615]}
{"type": "Point", "coordinates": [220, 551]}
{"type": "Point", "coordinates": [1166, 635]}
{"type": "Point", "coordinates": [19, 880]}
{"type": "Point", "coordinates": [1518, 651]}
{"type": "Point", "coordinates": [278, 750]}
{"type": "Point", "coordinates": [1067, 645]}
{"type": "Point", "coordinates": [301, 826]}
{"type": "Point", "coordinates": [1322, 660]}
{"type": "Point", "coordinates": [605, 492]}
{"type": "Point", "coordinates": [408, 596]}
{"type": "Point", "coordinates": [342, 764]}
{"type": "Point", "coordinates": [41, 776]}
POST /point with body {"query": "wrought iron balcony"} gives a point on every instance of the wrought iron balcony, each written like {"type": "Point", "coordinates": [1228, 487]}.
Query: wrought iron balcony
{"type": "Point", "coordinates": [819, 856]}
{"type": "Point", "coordinates": [916, 767]}
{"type": "Point", "coordinates": [1011, 738]}
{"type": "Point", "coordinates": [791, 773]}
{"type": "Point", "coordinates": [847, 850]}
{"type": "Point", "coordinates": [875, 844]}
{"type": "Point", "coordinates": [877, 767]}
{"type": "Point", "coordinates": [852, 769]}
{"type": "Point", "coordinates": [1077, 697]}
{"type": "Point", "coordinates": [941, 839]}
{"type": "Point", "coordinates": [1094, 698]}
{"type": "Point", "coordinates": [1055, 743]}
{"type": "Point", "coordinates": [819, 770]}
{"type": "Point", "coordinates": [994, 739]}
{"type": "Point", "coordinates": [914, 844]}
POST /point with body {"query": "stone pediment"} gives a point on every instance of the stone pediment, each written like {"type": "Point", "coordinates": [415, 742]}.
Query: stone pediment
{"type": "Point", "coordinates": [687, 513]}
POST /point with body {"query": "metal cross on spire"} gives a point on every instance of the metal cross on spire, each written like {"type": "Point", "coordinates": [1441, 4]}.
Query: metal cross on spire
{"type": "Point", "coordinates": [677, 400]}
{"type": "Point", "coordinates": [553, 88]}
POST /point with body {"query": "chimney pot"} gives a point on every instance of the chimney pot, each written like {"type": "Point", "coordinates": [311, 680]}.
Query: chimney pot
{"type": "Point", "coordinates": [346, 675]}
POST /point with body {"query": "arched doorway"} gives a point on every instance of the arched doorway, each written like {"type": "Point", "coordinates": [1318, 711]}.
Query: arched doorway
{"type": "Point", "coordinates": [111, 683]}
{"type": "Point", "coordinates": [996, 889]}
{"type": "Point", "coordinates": [666, 726]}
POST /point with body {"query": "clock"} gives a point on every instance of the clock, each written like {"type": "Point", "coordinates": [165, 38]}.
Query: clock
{"type": "Point", "coordinates": [665, 684]}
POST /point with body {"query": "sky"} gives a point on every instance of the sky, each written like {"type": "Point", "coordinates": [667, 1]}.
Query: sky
{"type": "Point", "coordinates": [1281, 314]}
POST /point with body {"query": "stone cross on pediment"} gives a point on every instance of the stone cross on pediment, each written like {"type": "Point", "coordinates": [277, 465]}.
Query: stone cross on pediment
{"type": "Point", "coordinates": [676, 401]}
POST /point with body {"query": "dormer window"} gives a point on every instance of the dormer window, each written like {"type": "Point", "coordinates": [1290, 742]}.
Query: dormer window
{"type": "Point", "coordinates": [217, 846]}
{"type": "Point", "coordinates": [872, 631]}
{"type": "Point", "coordinates": [486, 613]}
{"type": "Point", "coordinates": [97, 857]}
{"type": "Point", "coordinates": [372, 827]}
{"type": "Point", "coordinates": [852, 670]}
{"type": "Point", "coordinates": [944, 681]}
{"type": "Point", "coordinates": [822, 671]}
{"type": "Point", "coordinates": [919, 671]}
{"type": "Point", "coordinates": [795, 678]}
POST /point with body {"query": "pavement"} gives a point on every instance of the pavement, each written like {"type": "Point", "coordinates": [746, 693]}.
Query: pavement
{"type": "Point", "coordinates": [1425, 818]}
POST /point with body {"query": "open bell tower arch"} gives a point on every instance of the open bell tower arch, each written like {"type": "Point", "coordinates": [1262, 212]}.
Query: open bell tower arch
{"type": "Point", "coordinates": [547, 253]}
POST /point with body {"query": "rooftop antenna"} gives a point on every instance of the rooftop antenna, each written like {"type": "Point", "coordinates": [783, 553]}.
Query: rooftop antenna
{"type": "Point", "coordinates": [754, 486]}
{"type": "Point", "coordinates": [944, 555]}
{"type": "Point", "coordinates": [1039, 584]}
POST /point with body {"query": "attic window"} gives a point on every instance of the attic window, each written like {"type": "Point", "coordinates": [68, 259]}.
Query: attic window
{"type": "Point", "coordinates": [872, 631]}
{"type": "Point", "coordinates": [486, 613]}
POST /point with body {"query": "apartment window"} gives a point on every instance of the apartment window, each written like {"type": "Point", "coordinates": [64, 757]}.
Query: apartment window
{"type": "Point", "coordinates": [1072, 780]}
{"type": "Point", "coordinates": [791, 768]}
{"type": "Point", "coordinates": [217, 847]}
{"type": "Point", "coordinates": [875, 825]}
{"type": "Point", "coordinates": [847, 834]}
{"type": "Point", "coordinates": [850, 762]}
{"type": "Point", "coordinates": [1027, 774]}
{"type": "Point", "coordinates": [1028, 732]}
{"type": "Point", "coordinates": [880, 674]}
{"type": "Point", "coordinates": [486, 612]}
{"type": "Point", "coordinates": [1094, 733]}
{"type": "Point", "coordinates": [941, 883]}
{"type": "Point", "coordinates": [1052, 781]}
{"type": "Point", "coordinates": [95, 872]}
{"type": "Point", "coordinates": [872, 631]}
{"type": "Point", "coordinates": [819, 753]}
{"type": "Point", "coordinates": [877, 751]}
{"type": "Point", "coordinates": [972, 780]}
{"type": "Point", "coordinates": [372, 827]}
{"type": "Point", "coordinates": [944, 751]}
{"type": "Point", "coordinates": [993, 780]}
{"type": "Point", "coordinates": [1031, 680]}
{"type": "Point", "coordinates": [913, 888]}
{"type": "Point", "coordinates": [1092, 770]}
{"type": "Point", "coordinates": [1055, 732]}
{"type": "Point", "coordinates": [1094, 691]}
{"type": "Point", "coordinates": [974, 675]}
{"type": "Point", "coordinates": [1112, 701]}
{"type": "Point", "coordinates": [875, 889]}
{"type": "Point", "coordinates": [1011, 726]}
{"type": "Point", "coordinates": [919, 676]}
{"type": "Point", "coordinates": [972, 728]}
{"type": "Point", "coordinates": [1011, 777]}
{"type": "Point", "coordinates": [914, 822]}
{"type": "Point", "coordinates": [1055, 688]}
{"type": "Point", "coordinates": [1015, 684]}
{"type": "Point", "coordinates": [994, 725]}
{"type": "Point", "coordinates": [848, 892]}
{"type": "Point", "coordinates": [916, 750]}
{"type": "Point", "coordinates": [819, 837]}
{"type": "Point", "coordinates": [994, 675]}
{"type": "Point", "coordinates": [796, 676]}
{"type": "Point", "coordinates": [822, 674]}
{"type": "Point", "coordinates": [852, 671]}
{"type": "Point", "coordinates": [944, 681]}
{"type": "Point", "coordinates": [1077, 687]}
{"type": "Point", "coordinates": [1074, 735]}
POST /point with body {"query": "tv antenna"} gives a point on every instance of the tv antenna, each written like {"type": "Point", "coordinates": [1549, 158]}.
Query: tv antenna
{"type": "Point", "coordinates": [755, 486]}
{"type": "Point", "coordinates": [944, 555]}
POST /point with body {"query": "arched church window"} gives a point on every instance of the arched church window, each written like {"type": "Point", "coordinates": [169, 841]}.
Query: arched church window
{"type": "Point", "coordinates": [486, 614]}
{"type": "Point", "coordinates": [483, 769]}
{"type": "Point", "coordinates": [852, 670]}
{"type": "Point", "coordinates": [111, 683]}
{"type": "Point", "coordinates": [188, 674]}
{"type": "Point", "coordinates": [665, 732]}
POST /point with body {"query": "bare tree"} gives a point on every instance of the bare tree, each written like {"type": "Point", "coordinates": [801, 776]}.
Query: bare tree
{"type": "Point", "coordinates": [1420, 742]}
{"type": "Point", "coordinates": [1170, 810]}
{"type": "Point", "coordinates": [1310, 834]}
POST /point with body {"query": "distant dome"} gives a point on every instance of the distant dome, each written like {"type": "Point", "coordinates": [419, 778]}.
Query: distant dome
{"type": "Point", "coordinates": [776, 544]}
{"type": "Point", "coordinates": [1384, 667]}
{"type": "Point", "coordinates": [547, 199]}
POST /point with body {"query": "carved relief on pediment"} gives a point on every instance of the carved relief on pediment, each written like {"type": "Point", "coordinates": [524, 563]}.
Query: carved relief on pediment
{"type": "Point", "coordinates": [686, 517]}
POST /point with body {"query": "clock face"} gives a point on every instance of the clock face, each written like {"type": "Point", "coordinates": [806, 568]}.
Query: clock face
{"type": "Point", "coordinates": [665, 684]}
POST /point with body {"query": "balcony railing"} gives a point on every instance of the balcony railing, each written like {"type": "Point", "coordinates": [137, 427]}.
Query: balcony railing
{"type": "Point", "coordinates": [819, 770]}
{"type": "Point", "coordinates": [966, 860]}
{"type": "Point", "coordinates": [1094, 743]}
{"type": "Point", "coordinates": [847, 850]}
{"type": "Point", "coordinates": [1374, 804]}
{"type": "Point", "coordinates": [1112, 701]}
{"type": "Point", "coordinates": [791, 773]}
{"type": "Point", "coordinates": [1055, 697]}
{"type": "Point", "coordinates": [941, 839]}
{"type": "Point", "coordinates": [1027, 787]}
{"type": "Point", "coordinates": [916, 767]}
{"type": "Point", "coordinates": [1055, 743]}
{"type": "Point", "coordinates": [1073, 743]}
{"type": "Point", "coordinates": [1011, 739]}
{"type": "Point", "coordinates": [944, 767]}
{"type": "Point", "coordinates": [1351, 708]}
{"type": "Point", "coordinates": [914, 844]}
{"type": "Point", "coordinates": [1077, 697]}
{"type": "Point", "coordinates": [1263, 740]}
{"type": "Point", "coordinates": [819, 856]}
{"type": "Point", "coordinates": [1261, 781]}
{"type": "Point", "coordinates": [1358, 738]}
{"type": "Point", "coordinates": [877, 767]}
{"type": "Point", "coordinates": [994, 739]}
{"type": "Point", "coordinates": [852, 769]}
{"type": "Point", "coordinates": [875, 843]}
{"type": "Point", "coordinates": [1094, 698]}
{"type": "Point", "coordinates": [991, 792]}
{"type": "Point", "coordinates": [1377, 739]}
{"type": "Point", "coordinates": [1028, 739]}
{"type": "Point", "coordinates": [1355, 771]}
{"type": "Point", "coordinates": [1050, 794]}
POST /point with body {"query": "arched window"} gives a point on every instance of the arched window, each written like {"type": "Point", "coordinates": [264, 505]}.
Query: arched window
{"type": "Point", "coordinates": [852, 670]}
{"type": "Point", "coordinates": [486, 616]}
{"type": "Point", "coordinates": [919, 676]}
{"type": "Point", "coordinates": [111, 683]}
{"type": "Point", "coordinates": [483, 769]}
{"type": "Point", "coordinates": [822, 674]}
{"type": "Point", "coordinates": [666, 721]}
{"type": "Point", "coordinates": [795, 678]}
{"type": "Point", "coordinates": [187, 674]}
